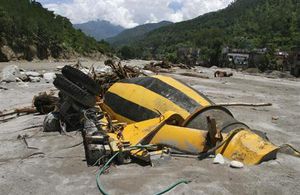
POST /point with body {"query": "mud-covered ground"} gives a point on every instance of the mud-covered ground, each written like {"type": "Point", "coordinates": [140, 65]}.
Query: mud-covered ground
{"type": "Point", "coordinates": [62, 170]}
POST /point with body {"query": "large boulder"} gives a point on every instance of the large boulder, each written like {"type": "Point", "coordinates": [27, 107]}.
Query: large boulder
{"type": "Point", "coordinates": [11, 73]}
{"type": "Point", "coordinates": [49, 77]}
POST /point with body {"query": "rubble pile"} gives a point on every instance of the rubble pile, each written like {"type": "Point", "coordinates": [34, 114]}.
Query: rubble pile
{"type": "Point", "coordinates": [113, 72]}
{"type": "Point", "coordinates": [165, 67]}
{"type": "Point", "coordinates": [45, 102]}
{"type": "Point", "coordinates": [13, 73]}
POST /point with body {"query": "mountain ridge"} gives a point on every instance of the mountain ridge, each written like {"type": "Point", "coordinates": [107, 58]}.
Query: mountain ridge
{"type": "Point", "coordinates": [136, 33]}
{"type": "Point", "coordinates": [99, 29]}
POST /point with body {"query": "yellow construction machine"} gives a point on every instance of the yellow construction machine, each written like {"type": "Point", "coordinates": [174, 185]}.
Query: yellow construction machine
{"type": "Point", "coordinates": [148, 117]}
{"type": "Point", "coordinates": [143, 117]}
{"type": "Point", "coordinates": [166, 115]}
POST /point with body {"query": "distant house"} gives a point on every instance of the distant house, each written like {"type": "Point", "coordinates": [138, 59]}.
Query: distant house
{"type": "Point", "coordinates": [236, 58]}
{"type": "Point", "coordinates": [243, 58]}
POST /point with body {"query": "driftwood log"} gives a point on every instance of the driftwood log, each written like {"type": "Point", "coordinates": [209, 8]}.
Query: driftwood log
{"type": "Point", "coordinates": [7, 115]}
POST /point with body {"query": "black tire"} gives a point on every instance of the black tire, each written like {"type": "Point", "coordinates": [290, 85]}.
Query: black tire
{"type": "Point", "coordinates": [75, 92]}
{"type": "Point", "coordinates": [81, 79]}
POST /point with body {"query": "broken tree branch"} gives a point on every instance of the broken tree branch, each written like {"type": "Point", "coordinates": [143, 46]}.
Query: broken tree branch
{"type": "Point", "coordinates": [245, 104]}
{"type": "Point", "coordinates": [25, 110]}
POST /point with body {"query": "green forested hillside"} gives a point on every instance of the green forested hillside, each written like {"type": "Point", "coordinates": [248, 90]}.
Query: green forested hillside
{"type": "Point", "coordinates": [245, 24]}
{"type": "Point", "coordinates": [27, 30]}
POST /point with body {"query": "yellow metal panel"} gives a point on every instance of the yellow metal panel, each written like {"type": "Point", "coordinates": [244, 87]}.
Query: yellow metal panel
{"type": "Point", "coordinates": [184, 89]}
{"type": "Point", "coordinates": [146, 98]}
{"type": "Point", "coordinates": [247, 147]}
{"type": "Point", "coordinates": [184, 139]}
{"type": "Point", "coordinates": [135, 133]}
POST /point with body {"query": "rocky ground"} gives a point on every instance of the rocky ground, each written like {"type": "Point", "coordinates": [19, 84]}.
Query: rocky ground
{"type": "Point", "coordinates": [62, 170]}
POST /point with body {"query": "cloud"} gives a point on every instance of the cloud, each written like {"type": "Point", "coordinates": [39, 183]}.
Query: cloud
{"type": "Point", "coordinates": [175, 5]}
{"type": "Point", "coordinates": [129, 13]}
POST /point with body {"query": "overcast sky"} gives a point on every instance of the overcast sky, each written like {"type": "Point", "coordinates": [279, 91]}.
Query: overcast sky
{"type": "Point", "coordinates": [129, 13]}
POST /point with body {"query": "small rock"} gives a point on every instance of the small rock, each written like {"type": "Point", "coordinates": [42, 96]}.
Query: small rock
{"type": "Point", "coordinates": [49, 77]}
{"type": "Point", "coordinates": [147, 72]}
{"type": "Point", "coordinates": [19, 80]}
{"type": "Point", "coordinates": [236, 164]}
{"type": "Point", "coordinates": [32, 74]}
{"type": "Point", "coordinates": [59, 67]}
{"type": "Point", "coordinates": [103, 70]}
{"type": "Point", "coordinates": [85, 70]}
{"type": "Point", "coordinates": [219, 159]}
{"type": "Point", "coordinates": [34, 79]}
{"type": "Point", "coordinates": [214, 67]}
{"type": "Point", "coordinates": [275, 118]}
{"type": "Point", "coordinates": [23, 76]}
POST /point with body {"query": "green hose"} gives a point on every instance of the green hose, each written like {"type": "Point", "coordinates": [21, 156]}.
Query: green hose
{"type": "Point", "coordinates": [173, 186]}
{"type": "Point", "coordinates": [100, 172]}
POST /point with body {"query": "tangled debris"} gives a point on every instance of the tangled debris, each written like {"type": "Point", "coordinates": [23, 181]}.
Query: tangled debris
{"type": "Point", "coordinates": [42, 103]}
{"type": "Point", "coordinates": [118, 72]}
{"type": "Point", "coordinates": [165, 67]}
{"type": "Point", "coordinates": [45, 103]}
